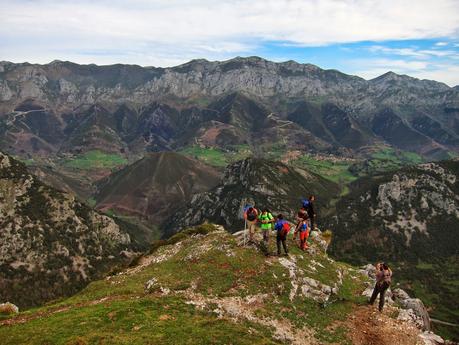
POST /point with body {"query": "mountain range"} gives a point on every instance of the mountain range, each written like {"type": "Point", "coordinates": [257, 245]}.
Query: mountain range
{"type": "Point", "coordinates": [64, 107]}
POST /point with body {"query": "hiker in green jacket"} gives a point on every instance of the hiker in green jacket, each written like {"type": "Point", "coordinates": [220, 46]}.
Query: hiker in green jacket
{"type": "Point", "coordinates": [266, 220]}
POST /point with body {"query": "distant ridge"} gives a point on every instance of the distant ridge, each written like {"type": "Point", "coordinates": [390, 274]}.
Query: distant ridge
{"type": "Point", "coordinates": [154, 186]}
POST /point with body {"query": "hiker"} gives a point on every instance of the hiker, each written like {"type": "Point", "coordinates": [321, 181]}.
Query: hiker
{"type": "Point", "coordinates": [304, 234]}
{"type": "Point", "coordinates": [266, 219]}
{"type": "Point", "coordinates": [310, 211]}
{"type": "Point", "coordinates": [251, 215]}
{"type": "Point", "coordinates": [383, 280]}
{"type": "Point", "coordinates": [282, 228]}
{"type": "Point", "coordinates": [301, 216]}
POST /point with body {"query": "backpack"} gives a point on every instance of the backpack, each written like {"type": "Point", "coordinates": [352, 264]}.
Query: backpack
{"type": "Point", "coordinates": [305, 203]}
{"type": "Point", "coordinates": [303, 227]}
{"type": "Point", "coordinates": [251, 214]}
{"type": "Point", "coordinates": [285, 228]}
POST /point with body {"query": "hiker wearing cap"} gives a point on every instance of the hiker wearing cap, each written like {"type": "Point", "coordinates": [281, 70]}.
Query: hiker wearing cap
{"type": "Point", "coordinates": [383, 281]}
{"type": "Point", "coordinates": [251, 215]}
{"type": "Point", "coordinates": [282, 228]}
{"type": "Point", "coordinates": [266, 220]}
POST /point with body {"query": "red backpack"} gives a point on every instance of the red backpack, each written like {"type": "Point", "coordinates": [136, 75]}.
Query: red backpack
{"type": "Point", "coordinates": [285, 228]}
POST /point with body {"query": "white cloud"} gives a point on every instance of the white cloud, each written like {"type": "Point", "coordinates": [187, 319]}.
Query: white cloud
{"type": "Point", "coordinates": [449, 74]}
{"type": "Point", "coordinates": [398, 51]}
{"type": "Point", "coordinates": [413, 52]}
{"type": "Point", "coordinates": [215, 29]}
{"type": "Point", "coordinates": [171, 32]}
{"type": "Point", "coordinates": [372, 68]}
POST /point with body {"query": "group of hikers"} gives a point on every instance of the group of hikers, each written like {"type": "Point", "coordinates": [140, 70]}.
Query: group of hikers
{"type": "Point", "coordinates": [303, 225]}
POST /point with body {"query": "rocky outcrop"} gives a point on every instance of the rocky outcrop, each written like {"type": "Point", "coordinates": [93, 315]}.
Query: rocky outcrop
{"type": "Point", "coordinates": [429, 338]}
{"type": "Point", "coordinates": [50, 243]}
{"type": "Point", "coordinates": [258, 182]}
{"type": "Point", "coordinates": [403, 215]}
{"type": "Point", "coordinates": [412, 309]}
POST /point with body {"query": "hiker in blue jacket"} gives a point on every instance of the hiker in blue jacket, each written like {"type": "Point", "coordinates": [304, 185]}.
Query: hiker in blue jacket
{"type": "Point", "coordinates": [282, 228]}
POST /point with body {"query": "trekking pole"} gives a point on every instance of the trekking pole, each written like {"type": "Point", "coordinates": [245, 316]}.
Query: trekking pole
{"type": "Point", "coordinates": [245, 230]}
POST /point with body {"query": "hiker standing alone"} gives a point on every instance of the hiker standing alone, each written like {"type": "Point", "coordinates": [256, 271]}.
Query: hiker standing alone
{"type": "Point", "coordinates": [251, 215]}
{"type": "Point", "coordinates": [266, 219]}
{"type": "Point", "coordinates": [311, 212]}
{"type": "Point", "coordinates": [383, 280]}
{"type": "Point", "coordinates": [282, 228]}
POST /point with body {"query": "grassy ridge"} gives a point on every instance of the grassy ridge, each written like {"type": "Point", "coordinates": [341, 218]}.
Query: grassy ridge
{"type": "Point", "coordinates": [199, 264]}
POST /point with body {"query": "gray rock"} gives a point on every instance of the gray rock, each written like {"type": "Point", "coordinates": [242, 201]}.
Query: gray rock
{"type": "Point", "coordinates": [8, 308]}
{"type": "Point", "coordinates": [151, 285]}
{"type": "Point", "coordinates": [429, 338]}
{"type": "Point", "coordinates": [419, 309]}
{"type": "Point", "coordinates": [399, 295]}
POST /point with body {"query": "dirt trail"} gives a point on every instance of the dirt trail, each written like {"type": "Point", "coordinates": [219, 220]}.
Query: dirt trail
{"type": "Point", "coordinates": [370, 327]}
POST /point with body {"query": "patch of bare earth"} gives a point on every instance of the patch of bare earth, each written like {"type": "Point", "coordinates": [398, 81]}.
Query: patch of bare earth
{"type": "Point", "coordinates": [367, 326]}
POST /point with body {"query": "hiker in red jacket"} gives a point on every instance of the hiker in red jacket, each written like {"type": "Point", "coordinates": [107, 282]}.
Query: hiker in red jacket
{"type": "Point", "coordinates": [383, 280]}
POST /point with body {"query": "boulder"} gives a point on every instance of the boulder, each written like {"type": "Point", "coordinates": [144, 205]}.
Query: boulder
{"type": "Point", "coordinates": [369, 270]}
{"type": "Point", "coordinates": [429, 338]}
{"type": "Point", "coordinates": [316, 236]}
{"type": "Point", "coordinates": [399, 295]}
{"type": "Point", "coordinates": [8, 308]}
{"type": "Point", "coordinates": [419, 309]}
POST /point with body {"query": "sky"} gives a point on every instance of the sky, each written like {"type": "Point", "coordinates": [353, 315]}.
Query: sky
{"type": "Point", "coordinates": [367, 38]}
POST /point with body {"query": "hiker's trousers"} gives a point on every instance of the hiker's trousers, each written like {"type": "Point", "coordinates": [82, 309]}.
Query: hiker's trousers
{"type": "Point", "coordinates": [381, 290]}
{"type": "Point", "coordinates": [252, 225]}
{"type": "Point", "coordinates": [281, 238]}
{"type": "Point", "coordinates": [303, 238]}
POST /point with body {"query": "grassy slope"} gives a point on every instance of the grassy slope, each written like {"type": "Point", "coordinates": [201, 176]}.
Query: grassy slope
{"type": "Point", "coordinates": [118, 311]}
{"type": "Point", "coordinates": [217, 157]}
{"type": "Point", "coordinates": [385, 159]}
{"type": "Point", "coordinates": [337, 172]}
{"type": "Point", "coordinates": [95, 160]}
{"type": "Point", "coordinates": [343, 172]}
